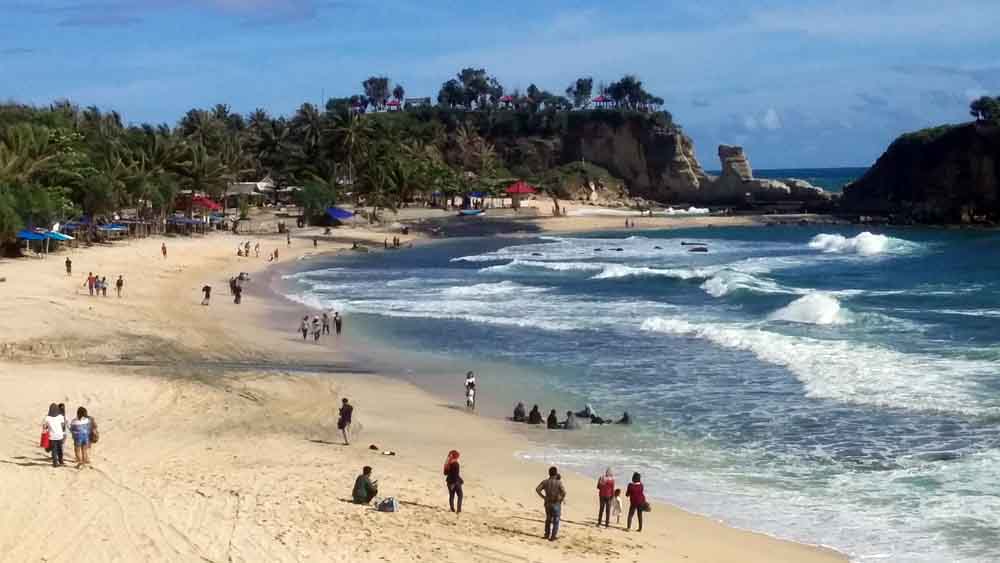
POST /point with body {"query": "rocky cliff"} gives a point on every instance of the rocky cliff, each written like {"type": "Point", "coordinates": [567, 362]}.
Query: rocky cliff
{"type": "Point", "coordinates": [656, 161]}
{"type": "Point", "coordinates": [948, 174]}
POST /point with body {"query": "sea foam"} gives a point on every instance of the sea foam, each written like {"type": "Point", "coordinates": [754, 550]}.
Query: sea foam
{"type": "Point", "coordinates": [814, 308]}
{"type": "Point", "coordinates": [864, 244]}
{"type": "Point", "coordinates": [848, 371]}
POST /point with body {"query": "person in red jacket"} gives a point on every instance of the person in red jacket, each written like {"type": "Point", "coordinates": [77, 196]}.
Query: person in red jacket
{"type": "Point", "coordinates": [636, 500]}
{"type": "Point", "coordinates": [605, 492]}
{"type": "Point", "coordinates": [453, 479]}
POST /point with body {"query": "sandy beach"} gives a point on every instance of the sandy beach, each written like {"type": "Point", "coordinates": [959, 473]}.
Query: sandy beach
{"type": "Point", "coordinates": [218, 431]}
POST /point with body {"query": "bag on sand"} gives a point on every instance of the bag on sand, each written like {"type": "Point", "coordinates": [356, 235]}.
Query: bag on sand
{"type": "Point", "coordinates": [388, 505]}
{"type": "Point", "coordinates": [44, 442]}
{"type": "Point", "coordinates": [645, 507]}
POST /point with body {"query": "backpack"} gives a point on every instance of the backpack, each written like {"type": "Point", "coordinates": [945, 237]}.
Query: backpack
{"type": "Point", "coordinates": [388, 505]}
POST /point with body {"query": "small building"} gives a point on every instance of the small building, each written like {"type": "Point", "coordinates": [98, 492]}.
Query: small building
{"type": "Point", "coordinates": [412, 103]}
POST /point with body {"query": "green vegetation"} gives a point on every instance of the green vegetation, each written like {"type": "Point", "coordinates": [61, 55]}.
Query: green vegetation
{"type": "Point", "coordinates": [986, 108]}
{"type": "Point", "coordinates": [62, 161]}
{"type": "Point", "coordinates": [926, 135]}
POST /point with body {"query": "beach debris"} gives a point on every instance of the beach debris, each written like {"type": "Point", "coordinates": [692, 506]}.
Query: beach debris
{"type": "Point", "coordinates": [373, 447]}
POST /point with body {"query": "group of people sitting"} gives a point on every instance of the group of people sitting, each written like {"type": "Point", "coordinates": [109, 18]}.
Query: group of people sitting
{"type": "Point", "coordinates": [572, 421]}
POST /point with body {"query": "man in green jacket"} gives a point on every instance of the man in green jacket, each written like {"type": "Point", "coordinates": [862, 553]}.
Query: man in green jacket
{"type": "Point", "coordinates": [365, 488]}
{"type": "Point", "coordinates": [553, 493]}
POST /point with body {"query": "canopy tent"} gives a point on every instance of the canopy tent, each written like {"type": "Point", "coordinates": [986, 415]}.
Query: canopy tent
{"type": "Point", "coordinates": [205, 203]}
{"type": "Point", "coordinates": [338, 213]}
{"type": "Point", "coordinates": [516, 190]}
{"type": "Point", "coordinates": [30, 235]}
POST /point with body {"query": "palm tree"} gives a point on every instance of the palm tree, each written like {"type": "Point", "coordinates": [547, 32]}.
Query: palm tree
{"type": "Point", "coordinates": [308, 128]}
{"type": "Point", "coordinates": [398, 93]}
{"type": "Point", "coordinates": [352, 134]}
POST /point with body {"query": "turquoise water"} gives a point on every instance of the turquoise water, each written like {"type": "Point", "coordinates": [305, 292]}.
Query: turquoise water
{"type": "Point", "coordinates": [826, 385]}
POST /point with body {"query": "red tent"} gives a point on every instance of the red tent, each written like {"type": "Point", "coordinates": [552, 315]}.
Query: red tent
{"type": "Point", "coordinates": [204, 202]}
{"type": "Point", "coordinates": [520, 187]}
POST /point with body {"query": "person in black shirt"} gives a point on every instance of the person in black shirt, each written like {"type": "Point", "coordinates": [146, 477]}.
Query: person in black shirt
{"type": "Point", "coordinates": [553, 421]}
{"type": "Point", "coordinates": [519, 415]}
{"type": "Point", "coordinates": [535, 416]}
{"type": "Point", "coordinates": [344, 423]}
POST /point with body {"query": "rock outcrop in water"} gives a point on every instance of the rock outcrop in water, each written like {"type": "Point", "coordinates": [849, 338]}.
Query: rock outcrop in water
{"type": "Point", "coordinates": [948, 174]}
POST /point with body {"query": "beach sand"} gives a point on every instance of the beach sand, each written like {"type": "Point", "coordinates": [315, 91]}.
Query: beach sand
{"type": "Point", "coordinates": [219, 441]}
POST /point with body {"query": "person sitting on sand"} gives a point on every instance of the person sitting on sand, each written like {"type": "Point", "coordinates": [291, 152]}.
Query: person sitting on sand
{"type": "Point", "coordinates": [552, 422]}
{"type": "Point", "coordinates": [625, 419]}
{"type": "Point", "coordinates": [571, 423]}
{"type": "Point", "coordinates": [535, 416]}
{"type": "Point", "coordinates": [519, 415]}
{"type": "Point", "coordinates": [365, 488]}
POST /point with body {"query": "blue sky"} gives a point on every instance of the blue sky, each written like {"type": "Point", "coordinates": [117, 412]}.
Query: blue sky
{"type": "Point", "coordinates": [797, 82]}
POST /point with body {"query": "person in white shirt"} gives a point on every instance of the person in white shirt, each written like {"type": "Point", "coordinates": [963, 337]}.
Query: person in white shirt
{"type": "Point", "coordinates": [470, 390]}
{"type": "Point", "coordinates": [55, 425]}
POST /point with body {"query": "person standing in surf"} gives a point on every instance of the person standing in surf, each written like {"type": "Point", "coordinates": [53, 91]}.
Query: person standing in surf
{"type": "Point", "coordinates": [338, 322]}
{"type": "Point", "coordinates": [470, 391]}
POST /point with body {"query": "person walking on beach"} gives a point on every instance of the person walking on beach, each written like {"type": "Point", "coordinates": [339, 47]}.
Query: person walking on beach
{"type": "Point", "coordinates": [636, 501]}
{"type": "Point", "coordinates": [163, 249]}
{"type": "Point", "coordinates": [237, 292]}
{"type": "Point", "coordinates": [55, 425]}
{"type": "Point", "coordinates": [104, 286]}
{"type": "Point", "coordinates": [365, 488]}
{"type": "Point", "coordinates": [338, 322]}
{"type": "Point", "coordinates": [344, 421]}
{"type": "Point", "coordinates": [553, 493]}
{"type": "Point", "coordinates": [453, 479]}
{"type": "Point", "coordinates": [80, 429]}
{"type": "Point", "coordinates": [470, 391]}
{"type": "Point", "coordinates": [326, 323]}
{"type": "Point", "coordinates": [119, 284]}
{"type": "Point", "coordinates": [304, 327]}
{"type": "Point", "coordinates": [316, 329]}
{"type": "Point", "coordinates": [256, 250]}
{"type": "Point", "coordinates": [91, 283]}
{"type": "Point", "coordinates": [207, 290]}
{"type": "Point", "coordinates": [288, 239]}
{"type": "Point", "coordinates": [69, 266]}
{"type": "Point", "coordinates": [605, 492]}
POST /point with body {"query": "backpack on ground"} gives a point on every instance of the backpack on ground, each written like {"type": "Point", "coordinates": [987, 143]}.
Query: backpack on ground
{"type": "Point", "coordinates": [388, 505]}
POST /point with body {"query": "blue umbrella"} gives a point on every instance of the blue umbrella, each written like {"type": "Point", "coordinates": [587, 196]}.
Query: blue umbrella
{"type": "Point", "coordinates": [30, 235]}
{"type": "Point", "coordinates": [338, 213]}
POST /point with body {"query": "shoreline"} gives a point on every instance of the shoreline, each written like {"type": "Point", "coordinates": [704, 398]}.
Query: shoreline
{"type": "Point", "coordinates": [192, 488]}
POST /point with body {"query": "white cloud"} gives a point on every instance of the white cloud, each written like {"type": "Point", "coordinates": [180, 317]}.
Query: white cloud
{"type": "Point", "coordinates": [771, 121]}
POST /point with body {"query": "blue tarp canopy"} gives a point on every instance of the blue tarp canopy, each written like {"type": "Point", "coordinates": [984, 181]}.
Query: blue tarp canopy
{"type": "Point", "coordinates": [477, 194]}
{"type": "Point", "coordinates": [30, 235]}
{"type": "Point", "coordinates": [338, 213]}
{"type": "Point", "coordinates": [183, 221]}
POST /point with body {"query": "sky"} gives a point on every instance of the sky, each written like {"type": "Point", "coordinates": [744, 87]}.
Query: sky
{"type": "Point", "coordinates": [797, 83]}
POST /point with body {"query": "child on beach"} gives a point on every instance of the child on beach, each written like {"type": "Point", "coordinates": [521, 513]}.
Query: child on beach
{"type": "Point", "coordinates": [80, 429]}
{"type": "Point", "coordinates": [104, 286]}
{"type": "Point", "coordinates": [616, 506]}
{"type": "Point", "coordinates": [69, 266]}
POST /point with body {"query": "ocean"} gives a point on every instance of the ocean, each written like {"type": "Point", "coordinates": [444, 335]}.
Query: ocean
{"type": "Point", "coordinates": [828, 385]}
{"type": "Point", "coordinates": [830, 179]}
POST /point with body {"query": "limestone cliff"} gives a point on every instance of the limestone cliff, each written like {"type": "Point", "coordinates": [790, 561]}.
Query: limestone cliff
{"type": "Point", "coordinates": [941, 175]}
{"type": "Point", "coordinates": [653, 158]}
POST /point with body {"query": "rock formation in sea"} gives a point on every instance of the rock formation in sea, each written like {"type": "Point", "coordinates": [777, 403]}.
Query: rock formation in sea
{"type": "Point", "coordinates": [948, 174]}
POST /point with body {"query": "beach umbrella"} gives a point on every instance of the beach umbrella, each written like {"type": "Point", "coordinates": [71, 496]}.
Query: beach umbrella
{"type": "Point", "coordinates": [205, 203]}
